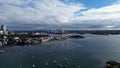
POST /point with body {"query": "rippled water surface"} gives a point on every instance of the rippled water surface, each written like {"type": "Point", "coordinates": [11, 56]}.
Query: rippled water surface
{"type": "Point", "coordinates": [91, 52]}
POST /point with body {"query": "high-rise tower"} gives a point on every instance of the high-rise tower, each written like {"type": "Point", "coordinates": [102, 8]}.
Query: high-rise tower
{"type": "Point", "coordinates": [4, 32]}
{"type": "Point", "coordinates": [3, 28]}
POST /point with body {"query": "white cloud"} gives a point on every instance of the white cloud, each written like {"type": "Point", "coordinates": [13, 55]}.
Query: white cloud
{"type": "Point", "coordinates": [105, 13]}
{"type": "Point", "coordinates": [107, 16]}
{"type": "Point", "coordinates": [56, 12]}
{"type": "Point", "coordinates": [47, 11]}
{"type": "Point", "coordinates": [15, 2]}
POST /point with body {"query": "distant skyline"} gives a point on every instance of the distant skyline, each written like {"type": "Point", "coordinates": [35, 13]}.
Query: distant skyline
{"type": "Point", "coordinates": [57, 14]}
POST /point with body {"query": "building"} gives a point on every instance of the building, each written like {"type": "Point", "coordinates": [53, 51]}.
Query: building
{"type": "Point", "coordinates": [4, 34]}
{"type": "Point", "coordinates": [4, 30]}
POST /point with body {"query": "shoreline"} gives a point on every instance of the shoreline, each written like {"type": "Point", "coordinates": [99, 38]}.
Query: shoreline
{"type": "Point", "coordinates": [35, 39]}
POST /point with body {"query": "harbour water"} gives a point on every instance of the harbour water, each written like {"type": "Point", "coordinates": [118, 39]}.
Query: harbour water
{"type": "Point", "coordinates": [91, 52]}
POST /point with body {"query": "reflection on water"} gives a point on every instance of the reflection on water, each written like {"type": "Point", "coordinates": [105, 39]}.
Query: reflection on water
{"type": "Point", "coordinates": [91, 52]}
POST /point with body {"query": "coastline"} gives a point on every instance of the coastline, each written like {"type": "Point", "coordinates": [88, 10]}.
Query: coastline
{"type": "Point", "coordinates": [24, 39]}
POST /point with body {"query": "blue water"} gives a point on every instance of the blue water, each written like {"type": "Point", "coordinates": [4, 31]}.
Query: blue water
{"type": "Point", "coordinates": [91, 52]}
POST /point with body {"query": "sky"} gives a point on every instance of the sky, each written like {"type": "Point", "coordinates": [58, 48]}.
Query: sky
{"type": "Point", "coordinates": [60, 14]}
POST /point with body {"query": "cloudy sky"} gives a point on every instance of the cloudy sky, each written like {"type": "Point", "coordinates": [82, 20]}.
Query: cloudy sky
{"type": "Point", "coordinates": [57, 14]}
